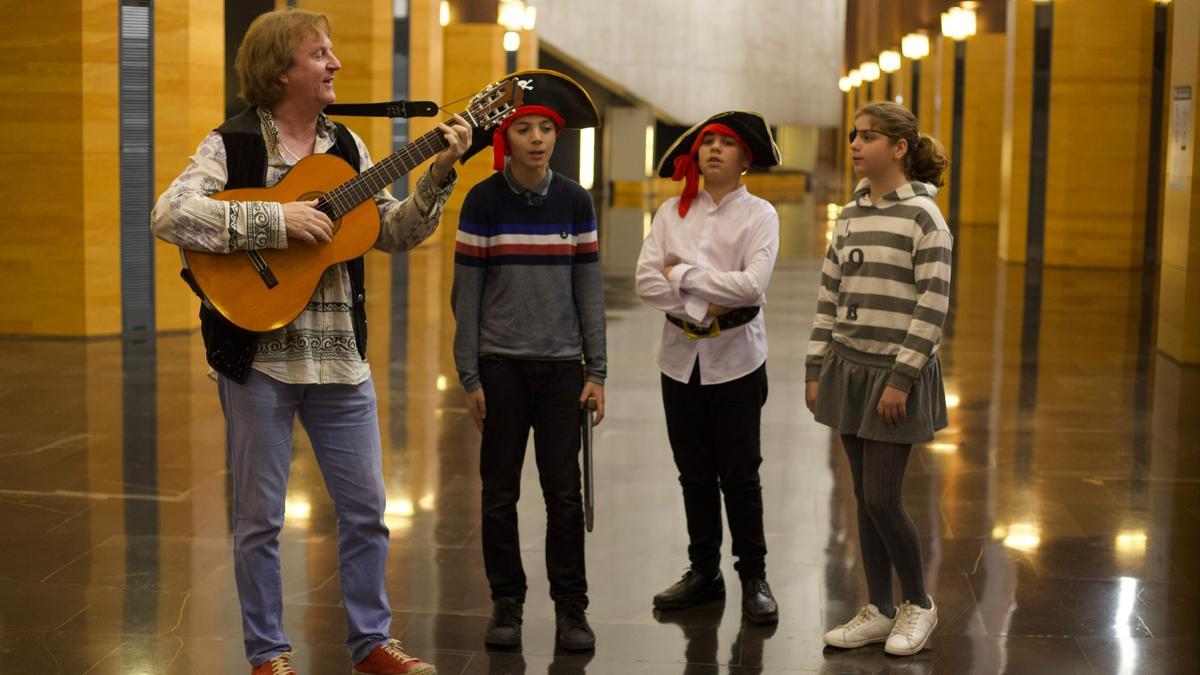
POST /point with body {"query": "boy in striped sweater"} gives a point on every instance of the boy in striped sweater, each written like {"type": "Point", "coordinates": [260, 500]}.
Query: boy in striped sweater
{"type": "Point", "coordinates": [529, 304]}
{"type": "Point", "coordinates": [872, 367]}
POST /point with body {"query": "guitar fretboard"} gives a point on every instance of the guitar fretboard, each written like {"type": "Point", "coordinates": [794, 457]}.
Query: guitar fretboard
{"type": "Point", "coordinates": [342, 199]}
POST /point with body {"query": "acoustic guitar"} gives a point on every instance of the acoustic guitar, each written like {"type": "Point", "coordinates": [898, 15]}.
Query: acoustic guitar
{"type": "Point", "coordinates": [265, 289]}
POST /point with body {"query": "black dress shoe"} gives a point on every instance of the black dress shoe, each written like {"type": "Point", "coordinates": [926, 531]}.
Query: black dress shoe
{"type": "Point", "coordinates": [758, 605]}
{"type": "Point", "coordinates": [504, 630]}
{"type": "Point", "coordinates": [571, 630]}
{"type": "Point", "coordinates": [693, 589]}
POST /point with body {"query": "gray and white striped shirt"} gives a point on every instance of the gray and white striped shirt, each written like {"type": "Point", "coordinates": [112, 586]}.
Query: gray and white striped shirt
{"type": "Point", "coordinates": [885, 282]}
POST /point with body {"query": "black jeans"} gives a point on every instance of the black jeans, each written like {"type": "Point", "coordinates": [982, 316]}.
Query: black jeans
{"type": "Point", "coordinates": [544, 395]}
{"type": "Point", "coordinates": [714, 432]}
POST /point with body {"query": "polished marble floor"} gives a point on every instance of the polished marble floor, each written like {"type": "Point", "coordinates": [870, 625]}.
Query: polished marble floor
{"type": "Point", "coordinates": [1060, 512]}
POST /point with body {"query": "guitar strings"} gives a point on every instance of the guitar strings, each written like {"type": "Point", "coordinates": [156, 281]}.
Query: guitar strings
{"type": "Point", "coordinates": [348, 195]}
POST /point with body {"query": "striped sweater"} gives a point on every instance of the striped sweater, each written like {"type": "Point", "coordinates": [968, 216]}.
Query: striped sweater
{"type": "Point", "coordinates": [527, 278]}
{"type": "Point", "coordinates": [885, 282]}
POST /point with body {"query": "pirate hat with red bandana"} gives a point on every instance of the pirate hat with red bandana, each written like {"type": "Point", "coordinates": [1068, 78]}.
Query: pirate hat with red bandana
{"type": "Point", "coordinates": [544, 92]}
{"type": "Point", "coordinates": [749, 129]}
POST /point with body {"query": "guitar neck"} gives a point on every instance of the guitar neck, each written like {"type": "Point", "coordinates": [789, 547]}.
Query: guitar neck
{"type": "Point", "coordinates": [342, 199]}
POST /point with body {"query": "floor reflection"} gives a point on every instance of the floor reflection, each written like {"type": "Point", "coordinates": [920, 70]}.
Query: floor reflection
{"type": "Point", "coordinates": [1059, 513]}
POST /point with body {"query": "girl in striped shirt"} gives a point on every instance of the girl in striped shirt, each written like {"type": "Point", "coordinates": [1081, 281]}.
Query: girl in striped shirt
{"type": "Point", "coordinates": [872, 370]}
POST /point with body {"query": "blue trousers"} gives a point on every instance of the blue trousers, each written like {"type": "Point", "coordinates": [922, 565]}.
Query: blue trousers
{"type": "Point", "coordinates": [342, 424]}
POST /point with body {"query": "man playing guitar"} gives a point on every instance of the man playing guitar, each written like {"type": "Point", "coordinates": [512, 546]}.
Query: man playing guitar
{"type": "Point", "coordinates": [314, 366]}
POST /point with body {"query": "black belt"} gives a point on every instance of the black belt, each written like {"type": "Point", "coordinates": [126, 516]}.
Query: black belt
{"type": "Point", "coordinates": [732, 319]}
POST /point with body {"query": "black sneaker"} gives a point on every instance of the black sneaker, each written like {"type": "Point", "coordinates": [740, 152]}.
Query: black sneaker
{"type": "Point", "coordinates": [758, 604]}
{"type": "Point", "coordinates": [572, 631]}
{"type": "Point", "coordinates": [693, 589]}
{"type": "Point", "coordinates": [504, 630]}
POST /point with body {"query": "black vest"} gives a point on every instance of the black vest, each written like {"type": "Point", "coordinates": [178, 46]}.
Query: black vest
{"type": "Point", "coordinates": [230, 349]}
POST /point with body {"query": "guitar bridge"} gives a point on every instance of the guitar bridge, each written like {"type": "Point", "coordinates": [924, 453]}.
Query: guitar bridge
{"type": "Point", "coordinates": [263, 269]}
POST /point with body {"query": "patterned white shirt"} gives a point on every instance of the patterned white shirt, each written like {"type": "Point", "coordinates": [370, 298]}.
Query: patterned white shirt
{"type": "Point", "coordinates": [318, 347]}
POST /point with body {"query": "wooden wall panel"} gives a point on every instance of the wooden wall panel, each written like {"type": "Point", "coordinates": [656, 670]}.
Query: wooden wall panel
{"type": "Point", "coordinates": [1099, 131]}
{"type": "Point", "coordinates": [362, 41]}
{"type": "Point", "coordinates": [982, 124]}
{"type": "Point", "coordinates": [101, 165]}
{"type": "Point", "coordinates": [426, 64]}
{"type": "Point", "coordinates": [1179, 281]}
{"type": "Point", "coordinates": [474, 57]}
{"type": "Point", "coordinates": [1015, 135]}
{"type": "Point", "coordinates": [189, 65]}
{"type": "Point", "coordinates": [41, 171]}
{"type": "Point", "coordinates": [942, 111]}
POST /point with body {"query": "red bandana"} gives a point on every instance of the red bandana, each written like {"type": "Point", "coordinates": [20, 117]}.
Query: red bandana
{"type": "Point", "coordinates": [500, 146]}
{"type": "Point", "coordinates": [688, 171]}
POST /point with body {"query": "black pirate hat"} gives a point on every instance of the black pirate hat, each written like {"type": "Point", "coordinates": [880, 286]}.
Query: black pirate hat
{"type": "Point", "coordinates": [750, 129]}
{"type": "Point", "coordinates": [543, 92]}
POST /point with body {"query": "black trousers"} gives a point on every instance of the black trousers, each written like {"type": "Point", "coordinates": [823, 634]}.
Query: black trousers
{"type": "Point", "coordinates": [542, 395]}
{"type": "Point", "coordinates": [714, 432]}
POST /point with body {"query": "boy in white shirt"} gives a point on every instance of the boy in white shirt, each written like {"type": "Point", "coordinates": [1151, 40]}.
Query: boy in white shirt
{"type": "Point", "coordinates": [706, 264]}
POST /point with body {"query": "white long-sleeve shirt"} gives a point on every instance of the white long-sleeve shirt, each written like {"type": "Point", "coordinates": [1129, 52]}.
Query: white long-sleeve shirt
{"type": "Point", "coordinates": [723, 255]}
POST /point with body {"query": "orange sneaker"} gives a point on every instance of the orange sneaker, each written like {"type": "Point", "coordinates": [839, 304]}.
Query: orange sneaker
{"type": "Point", "coordinates": [389, 659]}
{"type": "Point", "coordinates": [280, 665]}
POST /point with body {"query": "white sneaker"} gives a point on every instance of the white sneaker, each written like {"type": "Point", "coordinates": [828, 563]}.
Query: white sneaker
{"type": "Point", "coordinates": [914, 625]}
{"type": "Point", "coordinates": [867, 627]}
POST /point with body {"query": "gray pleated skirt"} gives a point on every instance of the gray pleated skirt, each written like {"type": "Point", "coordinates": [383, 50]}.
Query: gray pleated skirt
{"type": "Point", "coordinates": [851, 384]}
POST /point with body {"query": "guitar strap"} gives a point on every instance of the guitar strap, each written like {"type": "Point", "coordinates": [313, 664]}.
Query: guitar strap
{"type": "Point", "coordinates": [230, 349]}
{"type": "Point", "coordinates": [403, 109]}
